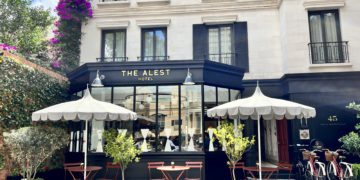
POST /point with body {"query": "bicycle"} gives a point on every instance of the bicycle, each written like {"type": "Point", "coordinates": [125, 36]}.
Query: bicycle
{"type": "Point", "coordinates": [315, 170]}
{"type": "Point", "coordinates": [335, 170]}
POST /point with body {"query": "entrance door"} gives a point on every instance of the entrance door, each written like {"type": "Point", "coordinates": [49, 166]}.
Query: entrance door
{"type": "Point", "coordinates": [282, 137]}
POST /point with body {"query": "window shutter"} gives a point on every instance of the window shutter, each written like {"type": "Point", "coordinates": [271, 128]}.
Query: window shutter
{"type": "Point", "coordinates": [241, 45]}
{"type": "Point", "coordinates": [200, 41]}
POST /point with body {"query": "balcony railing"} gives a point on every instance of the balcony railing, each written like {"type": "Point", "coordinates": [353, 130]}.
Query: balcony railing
{"type": "Point", "coordinates": [112, 59]}
{"type": "Point", "coordinates": [153, 58]}
{"type": "Point", "coordinates": [328, 52]}
{"type": "Point", "coordinates": [225, 58]}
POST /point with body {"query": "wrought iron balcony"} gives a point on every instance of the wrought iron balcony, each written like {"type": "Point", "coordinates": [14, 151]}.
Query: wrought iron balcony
{"type": "Point", "coordinates": [112, 59]}
{"type": "Point", "coordinates": [225, 58]}
{"type": "Point", "coordinates": [328, 52]}
{"type": "Point", "coordinates": [153, 58]}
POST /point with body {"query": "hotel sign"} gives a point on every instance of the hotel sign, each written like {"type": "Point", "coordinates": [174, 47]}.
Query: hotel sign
{"type": "Point", "coordinates": [146, 74]}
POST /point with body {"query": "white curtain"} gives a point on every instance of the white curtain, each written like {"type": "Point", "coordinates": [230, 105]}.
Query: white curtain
{"type": "Point", "coordinates": [109, 46]}
{"type": "Point", "coordinates": [120, 45]}
{"type": "Point", "coordinates": [214, 44]}
{"type": "Point", "coordinates": [331, 36]}
{"type": "Point", "coordinates": [317, 48]}
{"type": "Point", "coordinates": [225, 45]}
{"type": "Point", "coordinates": [148, 45]}
{"type": "Point", "coordinates": [160, 44]}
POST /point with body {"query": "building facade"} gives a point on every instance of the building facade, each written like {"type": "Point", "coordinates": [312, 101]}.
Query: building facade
{"type": "Point", "coordinates": [299, 50]}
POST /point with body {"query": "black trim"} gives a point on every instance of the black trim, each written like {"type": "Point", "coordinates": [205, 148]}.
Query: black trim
{"type": "Point", "coordinates": [155, 57]}
{"type": "Point", "coordinates": [103, 33]}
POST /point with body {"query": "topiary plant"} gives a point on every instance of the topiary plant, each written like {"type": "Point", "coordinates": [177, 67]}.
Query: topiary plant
{"type": "Point", "coordinates": [30, 146]}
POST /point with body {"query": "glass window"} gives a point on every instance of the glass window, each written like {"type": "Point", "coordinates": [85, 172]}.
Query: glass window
{"type": "Point", "coordinates": [191, 127]}
{"type": "Point", "coordinates": [154, 44]}
{"type": "Point", "coordinates": [97, 127]}
{"type": "Point", "coordinates": [168, 117]}
{"type": "Point", "coordinates": [113, 46]}
{"type": "Point", "coordinates": [326, 45]}
{"type": "Point", "coordinates": [220, 44]}
{"type": "Point", "coordinates": [145, 108]}
{"type": "Point", "coordinates": [209, 97]}
{"type": "Point", "coordinates": [235, 94]}
{"type": "Point", "coordinates": [124, 97]}
{"type": "Point", "coordinates": [223, 95]}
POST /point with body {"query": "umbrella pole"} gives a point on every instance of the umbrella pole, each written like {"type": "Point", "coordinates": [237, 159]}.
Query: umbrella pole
{"type": "Point", "coordinates": [86, 145]}
{"type": "Point", "coordinates": [259, 146]}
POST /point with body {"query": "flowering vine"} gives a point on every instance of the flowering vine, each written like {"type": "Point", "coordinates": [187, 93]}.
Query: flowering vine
{"type": "Point", "coordinates": [67, 35]}
{"type": "Point", "coordinates": [8, 48]}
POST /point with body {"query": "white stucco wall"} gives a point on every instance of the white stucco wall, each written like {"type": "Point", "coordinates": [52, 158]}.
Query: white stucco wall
{"type": "Point", "coordinates": [278, 33]}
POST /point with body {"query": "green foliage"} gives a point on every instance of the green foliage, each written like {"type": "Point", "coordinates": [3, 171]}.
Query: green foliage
{"type": "Point", "coordinates": [31, 146]}
{"type": "Point", "coordinates": [121, 148]}
{"type": "Point", "coordinates": [235, 144]}
{"type": "Point", "coordinates": [351, 142]}
{"type": "Point", "coordinates": [24, 90]}
{"type": "Point", "coordinates": [356, 169]}
{"type": "Point", "coordinates": [24, 26]}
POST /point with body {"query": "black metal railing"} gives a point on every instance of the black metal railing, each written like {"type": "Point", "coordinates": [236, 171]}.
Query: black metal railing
{"type": "Point", "coordinates": [328, 52]}
{"type": "Point", "coordinates": [153, 58]}
{"type": "Point", "coordinates": [225, 58]}
{"type": "Point", "coordinates": [112, 59]}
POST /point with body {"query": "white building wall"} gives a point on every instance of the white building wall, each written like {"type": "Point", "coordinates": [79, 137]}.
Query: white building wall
{"type": "Point", "coordinates": [278, 32]}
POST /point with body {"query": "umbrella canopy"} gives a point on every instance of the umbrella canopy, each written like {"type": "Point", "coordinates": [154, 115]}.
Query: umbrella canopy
{"type": "Point", "coordinates": [87, 108]}
{"type": "Point", "coordinates": [258, 105]}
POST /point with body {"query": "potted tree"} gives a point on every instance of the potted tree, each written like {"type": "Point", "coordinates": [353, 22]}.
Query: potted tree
{"type": "Point", "coordinates": [31, 146]}
{"type": "Point", "coordinates": [121, 148]}
{"type": "Point", "coordinates": [233, 141]}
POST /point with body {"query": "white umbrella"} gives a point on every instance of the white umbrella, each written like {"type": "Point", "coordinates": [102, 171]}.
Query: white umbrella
{"type": "Point", "coordinates": [86, 108]}
{"type": "Point", "coordinates": [260, 105]}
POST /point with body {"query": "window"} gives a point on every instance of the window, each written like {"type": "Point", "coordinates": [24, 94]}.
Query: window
{"type": "Point", "coordinates": [154, 44]}
{"type": "Point", "coordinates": [113, 46]}
{"type": "Point", "coordinates": [326, 45]}
{"type": "Point", "coordinates": [220, 44]}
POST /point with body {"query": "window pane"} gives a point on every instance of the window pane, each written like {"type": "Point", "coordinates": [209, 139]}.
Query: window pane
{"type": "Point", "coordinates": [168, 117]}
{"type": "Point", "coordinates": [160, 44]}
{"type": "Point", "coordinates": [235, 94]}
{"type": "Point", "coordinates": [214, 44]}
{"type": "Point", "coordinates": [148, 45]}
{"type": "Point", "coordinates": [109, 45]}
{"type": "Point", "coordinates": [124, 97]}
{"type": "Point", "coordinates": [191, 118]}
{"type": "Point", "coordinates": [120, 45]}
{"type": "Point", "coordinates": [333, 53]}
{"type": "Point", "coordinates": [209, 97]}
{"type": "Point", "coordinates": [146, 110]}
{"type": "Point", "coordinates": [97, 127]}
{"type": "Point", "coordinates": [317, 47]}
{"type": "Point", "coordinates": [223, 95]}
{"type": "Point", "coordinates": [225, 45]}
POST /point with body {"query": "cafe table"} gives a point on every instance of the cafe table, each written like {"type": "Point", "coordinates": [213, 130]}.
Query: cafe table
{"type": "Point", "coordinates": [89, 169]}
{"type": "Point", "coordinates": [266, 171]}
{"type": "Point", "coordinates": [167, 169]}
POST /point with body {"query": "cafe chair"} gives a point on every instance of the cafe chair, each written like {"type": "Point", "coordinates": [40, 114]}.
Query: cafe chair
{"type": "Point", "coordinates": [67, 165]}
{"type": "Point", "coordinates": [193, 165]}
{"type": "Point", "coordinates": [111, 172]}
{"type": "Point", "coordinates": [284, 166]}
{"type": "Point", "coordinates": [151, 167]}
{"type": "Point", "coordinates": [238, 166]}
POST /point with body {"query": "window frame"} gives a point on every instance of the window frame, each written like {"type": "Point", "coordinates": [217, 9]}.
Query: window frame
{"type": "Point", "coordinates": [143, 30]}
{"type": "Point", "coordinates": [321, 13]}
{"type": "Point", "coordinates": [219, 26]}
{"type": "Point", "coordinates": [113, 31]}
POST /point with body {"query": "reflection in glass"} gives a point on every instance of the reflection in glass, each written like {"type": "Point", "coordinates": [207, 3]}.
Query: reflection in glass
{"type": "Point", "coordinates": [124, 97]}
{"type": "Point", "coordinates": [223, 95]}
{"type": "Point", "coordinates": [168, 117]}
{"type": "Point", "coordinates": [101, 94]}
{"type": "Point", "coordinates": [145, 108]}
{"type": "Point", "coordinates": [209, 97]}
{"type": "Point", "coordinates": [235, 94]}
{"type": "Point", "coordinates": [191, 117]}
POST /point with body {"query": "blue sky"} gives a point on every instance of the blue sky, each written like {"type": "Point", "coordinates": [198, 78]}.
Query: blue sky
{"type": "Point", "coordinates": [47, 4]}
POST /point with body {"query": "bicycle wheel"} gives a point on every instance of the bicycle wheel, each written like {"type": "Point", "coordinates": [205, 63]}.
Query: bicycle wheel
{"type": "Point", "coordinates": [320, 173]}
{"type": "Point", "coordinates": [308, 174]}
{"type": "Point", "coordinates": [330, 171]}
{"type": "Point", "coordinates": [347, 174]}
{"type": "Point", "coordinates": [300, 175]}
